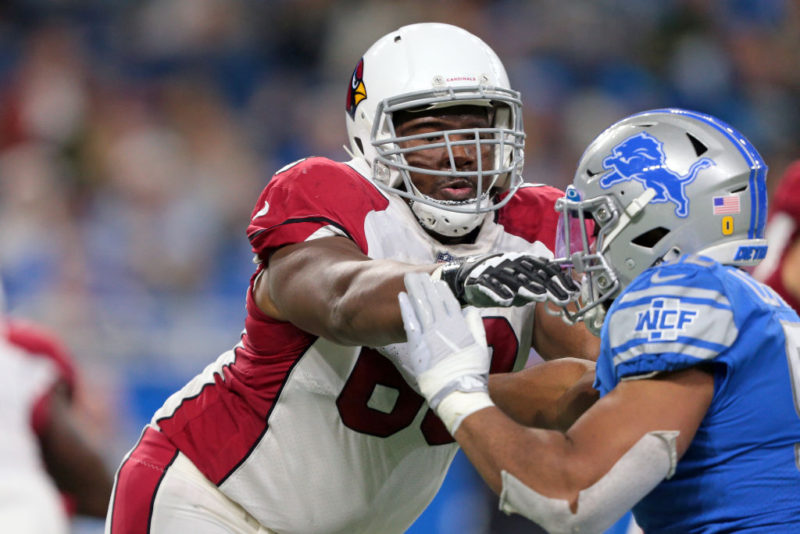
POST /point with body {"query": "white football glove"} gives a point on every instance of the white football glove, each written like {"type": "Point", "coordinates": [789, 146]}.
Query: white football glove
{"type": "Point", "coordinates": [507, 279]}
{"type": "Point", "coordinates": [447, 349]}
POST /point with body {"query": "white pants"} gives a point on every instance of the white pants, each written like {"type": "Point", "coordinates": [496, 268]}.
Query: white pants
{"type": "Point", "coordinates": [159, 491]}
{"type": "Point", "coordinates": [31, 505]}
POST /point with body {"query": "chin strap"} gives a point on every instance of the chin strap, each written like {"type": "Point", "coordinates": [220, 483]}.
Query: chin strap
{"type": "Point", "coordinates": [436, 218]}
{"type": "Point", "coordinates": [445, 222]}
{"type": "Point", "coordinates": [349, 152]}
{"type": "Point", "coordinates": [594, 317]}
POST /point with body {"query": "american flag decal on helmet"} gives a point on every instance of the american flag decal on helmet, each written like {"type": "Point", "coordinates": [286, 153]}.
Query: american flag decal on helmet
{"type": "Point", "coordinates": [357, 91]}
{"type": "Point", "coordinates": [726, 204]}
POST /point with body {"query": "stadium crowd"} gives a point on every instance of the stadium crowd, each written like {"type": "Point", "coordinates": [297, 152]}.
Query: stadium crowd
{"type": "Point", "coordinates": [135, 137]}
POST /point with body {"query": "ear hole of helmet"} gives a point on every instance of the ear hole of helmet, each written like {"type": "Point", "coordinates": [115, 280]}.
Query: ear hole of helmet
{"type": "Point", "coordinates": [650, 238]}
{"type": "Point", "coordinates": [699, 147]}
{"type": "Point", "coordinates": [359, 144]}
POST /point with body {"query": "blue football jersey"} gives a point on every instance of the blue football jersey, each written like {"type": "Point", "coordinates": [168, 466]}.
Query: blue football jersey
{"type": "Point", "coordinates": [741, 470]}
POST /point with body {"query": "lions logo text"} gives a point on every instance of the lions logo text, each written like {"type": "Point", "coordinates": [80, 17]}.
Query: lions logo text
{"type": "Point", "coordinates": [641, 158]}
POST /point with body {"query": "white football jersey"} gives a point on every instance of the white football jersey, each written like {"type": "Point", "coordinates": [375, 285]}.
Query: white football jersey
{"type": "Point", "coordinates": [29, 501]}
{"type": "Point", "coordinates": [310, 436]}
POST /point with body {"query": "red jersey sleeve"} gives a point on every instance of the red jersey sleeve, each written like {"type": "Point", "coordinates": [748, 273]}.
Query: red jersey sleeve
{"type": "Point", "coordinates": [787, 196]}
{"type": "Point", "coordinates": [309, 195]}
{"type": "Point", "coordinates": [38, 342]}
{"type": "Point", "coordinates": [531, 214]}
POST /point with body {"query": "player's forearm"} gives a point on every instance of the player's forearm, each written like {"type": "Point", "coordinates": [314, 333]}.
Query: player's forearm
{"type": "Point", "coordinates": [548, 395]}
{"type": "Point", "coordinates": [330, 289]}
{"type": "Point", "coordinates": [74, 464]}
{"type": "Point", "coordinates": [366, 311]}
{"type": "Point", "coordinates": [542, 474]}
{"type": "Point", "coordinates": [553, 338]}
{"type": "Point", "coordinates": [494, 443]}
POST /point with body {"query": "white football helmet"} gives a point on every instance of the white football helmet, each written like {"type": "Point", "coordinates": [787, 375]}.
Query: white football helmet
{"type": "Point", "coordinates": [653, 187]}
{"type": "Point", "coordinates": [423, 67]}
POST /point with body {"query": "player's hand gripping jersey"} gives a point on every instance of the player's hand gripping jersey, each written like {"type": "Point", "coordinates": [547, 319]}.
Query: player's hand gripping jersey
{"type": "Point", "coordinates": [311, 436]}
{"type": "Point", "coordinates": [697, 312]}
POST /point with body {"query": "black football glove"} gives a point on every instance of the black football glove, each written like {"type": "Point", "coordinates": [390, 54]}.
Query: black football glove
{"type": "Point", "coordinates": [508, 279]}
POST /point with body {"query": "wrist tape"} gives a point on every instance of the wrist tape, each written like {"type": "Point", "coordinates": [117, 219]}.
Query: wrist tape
{"type": "Point", "coordinates": [458, 405]}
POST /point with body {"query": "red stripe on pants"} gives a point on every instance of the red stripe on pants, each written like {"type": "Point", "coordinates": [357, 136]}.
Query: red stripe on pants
{"type": "Point", "coordinates": [137, 483]}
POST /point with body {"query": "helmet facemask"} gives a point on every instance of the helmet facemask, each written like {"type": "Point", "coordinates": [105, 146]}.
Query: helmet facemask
{"type": "Point", "coordinates": [500, 145]}
{"type": "Point", "coordinates": [583, 229]}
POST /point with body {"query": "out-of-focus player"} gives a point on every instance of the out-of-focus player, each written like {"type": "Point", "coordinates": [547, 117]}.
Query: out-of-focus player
{"type": "Point", "coordinates": [781, 268]}
{"type": "Point", "coordinates": [48, 470]}
{"type": "Point", "coordinates": [698, 426]}
{"type": "Point", "coordinates": [305, 426]}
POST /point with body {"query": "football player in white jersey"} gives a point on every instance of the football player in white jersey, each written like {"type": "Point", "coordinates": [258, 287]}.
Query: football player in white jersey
{"type": "Point", "coordinates": [698, 426]}
{"type": "Point", "coordinates": [305, 426]}
{"type": "Point", "coordinates": [48, 470]}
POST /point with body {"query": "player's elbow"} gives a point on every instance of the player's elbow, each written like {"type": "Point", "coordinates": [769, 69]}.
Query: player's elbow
{"type": "Point", "coordinates": [572, 474]}
{"type": "Point", "coordinates": [567, 472]}
{"type": "Point", "coordinates": [343, 322]}
{"type": "Point", "coordinates": [603, 499]}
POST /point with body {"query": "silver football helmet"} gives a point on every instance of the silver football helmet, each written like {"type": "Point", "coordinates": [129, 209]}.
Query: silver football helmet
{"type": "Point", "coordinates": [653, 187]}
{"type": "Point", "coordinates": [424, 67]}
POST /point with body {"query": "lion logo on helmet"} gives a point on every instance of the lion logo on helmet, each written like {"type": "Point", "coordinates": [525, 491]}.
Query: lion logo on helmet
{"type": "Point", "coordinates": [641, 158]}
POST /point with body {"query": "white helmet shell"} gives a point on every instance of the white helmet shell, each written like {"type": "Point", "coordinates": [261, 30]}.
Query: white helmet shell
{"type": "Point", "coordinates": [429, 66]}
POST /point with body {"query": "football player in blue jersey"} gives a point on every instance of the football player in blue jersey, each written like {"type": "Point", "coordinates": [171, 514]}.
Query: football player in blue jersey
{"type": "Point", "coordinates": [698, 425]}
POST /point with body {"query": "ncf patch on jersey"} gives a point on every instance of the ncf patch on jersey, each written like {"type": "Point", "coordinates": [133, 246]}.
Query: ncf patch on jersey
{"type": "Point", "coordinates": [664, 320]}
{"type": "Point", "coordinates": [357, 91]}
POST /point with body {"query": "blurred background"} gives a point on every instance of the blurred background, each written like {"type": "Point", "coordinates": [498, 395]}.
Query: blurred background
{"type": "Point", "coordinates": [135, 136]}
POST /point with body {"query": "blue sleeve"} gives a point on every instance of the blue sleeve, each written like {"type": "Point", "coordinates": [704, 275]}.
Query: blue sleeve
{"type": "Point", "coordinates": [671, 317]}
